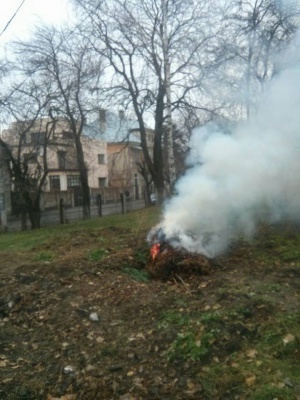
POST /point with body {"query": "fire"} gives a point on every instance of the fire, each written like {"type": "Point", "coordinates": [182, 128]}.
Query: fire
{"type": "Point", "coordinates": [155, 250]}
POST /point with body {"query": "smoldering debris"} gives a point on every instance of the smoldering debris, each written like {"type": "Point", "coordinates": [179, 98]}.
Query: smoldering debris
{"type": "Point", "coordinates": [240, 179]}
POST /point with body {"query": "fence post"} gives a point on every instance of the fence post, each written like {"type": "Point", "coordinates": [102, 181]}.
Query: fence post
{"type": "Point", "coordinates": [3, 221]}
{"type": "Point", "coordinates": [123, 203]}
{"type": "Point", "coordinates": [62, 211]}
{"type": "Point", "coordinates": [99, 202]}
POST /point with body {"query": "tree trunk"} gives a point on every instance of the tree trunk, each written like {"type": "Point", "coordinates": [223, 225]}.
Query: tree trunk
{"type": "Point", "coordinates": [158, 159]}
{"type": "Point", "coordinates": [167, 66]}
{"type": "Point", "coordinates": [86, 199]}
{"type": "Point", "coordinates": [23, 220]}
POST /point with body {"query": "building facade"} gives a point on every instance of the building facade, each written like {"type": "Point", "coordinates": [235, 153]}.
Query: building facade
{"type": "Point", "coordinates": [112, 152]}
{"type": "Point", "coordinates": [125, 154]}
{"type": "Point", "coordinates": [45, 145]}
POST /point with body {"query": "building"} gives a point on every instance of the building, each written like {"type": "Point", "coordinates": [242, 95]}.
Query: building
{"type": "Point", "coordinates": [124, 151]}
{"type": "Point", "coordinates": [112, 153]}
{"type": "Point", "coordinates": [63, 176]}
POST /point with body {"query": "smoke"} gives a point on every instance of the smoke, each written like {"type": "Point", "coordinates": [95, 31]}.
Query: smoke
{"type": "Point", "coordinates": [236, 180]}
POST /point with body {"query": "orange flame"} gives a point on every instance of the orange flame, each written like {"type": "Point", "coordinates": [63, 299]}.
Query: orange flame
{"type": "Point", "coordinates": [155, 250]}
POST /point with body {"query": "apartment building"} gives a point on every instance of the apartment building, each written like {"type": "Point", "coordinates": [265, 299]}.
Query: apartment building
{"type": "Point", "coordinates": [54, 145]}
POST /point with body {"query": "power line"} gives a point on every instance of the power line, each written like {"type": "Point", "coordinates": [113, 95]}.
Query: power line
{"type": "Point", "coordinates": [7, 25]}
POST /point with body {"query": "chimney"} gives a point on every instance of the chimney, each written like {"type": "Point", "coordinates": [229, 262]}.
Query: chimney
{"type": "Point", "coordinates": [102, 119]}
{"type": "Point", "coordinates": [121, 114]}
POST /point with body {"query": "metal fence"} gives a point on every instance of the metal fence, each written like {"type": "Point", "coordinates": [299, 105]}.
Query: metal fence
{"type": "Point", "coordinates": [71, 214]}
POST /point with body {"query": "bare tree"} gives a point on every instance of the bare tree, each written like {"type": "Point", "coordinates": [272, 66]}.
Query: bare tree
{"type": "Point", "coordinates": [257, 31]}
{"type": "Point", "coordinates": [24, 146]}
{"type": "Point", "coordinates": [151, 47]}
{"type": "Point", "coordinates": [66, 61]}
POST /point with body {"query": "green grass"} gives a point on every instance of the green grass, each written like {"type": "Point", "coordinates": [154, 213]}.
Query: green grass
{"type": "Point", "coordinates": [174, 318]}
{"type": "Point", "coordinates": [208, 317]}
{"type": "Point", "coordinates": [137, 274]}
{"type": "Point", "coordinates": [97, 255]}
{"type": "Point", "coordinates": [28, 241]}
{"type": "Point", "coordinates": [190, 345]}
{"type": "Point", "coordinates": [268, 392]}
{"type": "Point", "coordinates": [44, 256]}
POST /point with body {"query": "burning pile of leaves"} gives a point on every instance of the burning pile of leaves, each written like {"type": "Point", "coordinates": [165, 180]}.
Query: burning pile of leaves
{"type": "Point", "coordinates": [168, 263]}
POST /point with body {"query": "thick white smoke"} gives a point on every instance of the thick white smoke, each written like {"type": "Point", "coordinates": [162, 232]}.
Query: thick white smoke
{"type": "Point", "coordinates": [240, 178]}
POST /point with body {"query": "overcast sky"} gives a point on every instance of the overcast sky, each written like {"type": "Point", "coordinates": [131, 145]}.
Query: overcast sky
{"type": "Point", "coordinates": [29, 14]}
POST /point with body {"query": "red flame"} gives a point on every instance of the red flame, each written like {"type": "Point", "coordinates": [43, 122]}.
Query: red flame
{"type": "Point", "coordinates": [155, 250]}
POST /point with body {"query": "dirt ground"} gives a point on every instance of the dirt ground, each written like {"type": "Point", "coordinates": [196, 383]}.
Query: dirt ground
{"type": "Point", "coordinates": [78, 328]}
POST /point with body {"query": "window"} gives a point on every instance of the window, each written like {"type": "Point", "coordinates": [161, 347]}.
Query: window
{"type": "Point", "coordinates": [30, 158]}
{"type": "Point", "coordinates": [101, 158]}
{"type": "Point", "coordinates": [73, 181]}
{"type": "Point", "coordinates": [102, 182]}
{"type": "Point", "coordinates": [102, 115]}
{"type": "Point", "coordinates": [67, 135]}
{"type": "Point", "coordinates": [38, 138]}
{"type": "Point", "coordinates": [54, 182]}
{"type": "Point", "coordinates": [61, 158]}
{"type": "Point", "coordinates": [136, 155]}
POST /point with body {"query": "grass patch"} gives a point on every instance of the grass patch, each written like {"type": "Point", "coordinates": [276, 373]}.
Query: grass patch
{"type": "Point", "coordinates": [141, 255]}
{"type": "Point", "coordinates": [173, 318]}
{"type": "Point", "coordinates": [190, 346]}
{"type": "Point", "coordinates": [219, 382]}
{"type": "Point", "coordinates": [137, 222]}
{"type": "Point", "coordinates": [280, 337]}
{"type": "Point", "coordinates": [268, 392]}
{"type": "Point", "coordinates": [44, 256]}
{"type": "Point", "coordinates": [137, 274]}
{"type": "Point", "coordinates": [97, 255]}
{"type": "Point", "coordinates": [208, 317]}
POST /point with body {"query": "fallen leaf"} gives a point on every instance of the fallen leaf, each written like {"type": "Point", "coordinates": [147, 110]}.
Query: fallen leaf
{"type": "Point", "coordinates": [3, 363]}
{"type": "Point", "coordinates": [140, 336]}
{"type": "Point", "coordinates": [251, 353]}
{"type": "Point", "coordinates": [115, 386]}
{"type": "Point", "coordinates": [250, 380]}
{"type": "Point", "coordinates": [91, 336]}
{"type": "Point", "coordinates": [288, 382]}
{"type": "Point", "coordinates": [100, 339]}
{"type": "Point", "coordinates": [126, 396]}
{"type": "Point", "coordinates": [288, 339]}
